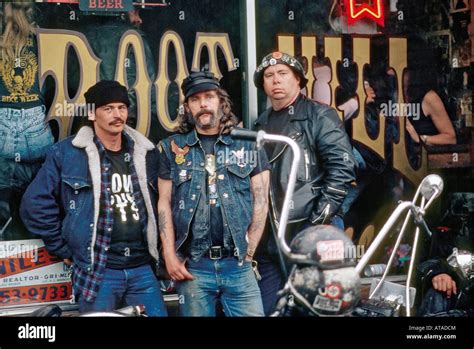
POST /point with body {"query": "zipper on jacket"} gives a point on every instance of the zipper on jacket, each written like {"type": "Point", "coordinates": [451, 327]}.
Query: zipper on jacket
{"type": "Point", "coordinates": [337, 190]}
{"type": "Point", "coordinates": [306, 163]}
{"type": "Point", "coordinates": [293, 137]}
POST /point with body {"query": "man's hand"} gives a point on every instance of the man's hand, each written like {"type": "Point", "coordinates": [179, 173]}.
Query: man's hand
{"type": "Point", "coordinates": [176, 268]}
{"type": "Point", "coordinates": [67, 261]}
{"type": "Point", "coordinates": [444, 283]}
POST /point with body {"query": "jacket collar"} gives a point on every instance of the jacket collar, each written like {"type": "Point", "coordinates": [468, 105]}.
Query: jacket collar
{"type": "Point", "coordinates": [192, 138]}
{"type": "Point", "coordinates": [263, 118]}
{"type": "Point", "coordinates": [85, 137]}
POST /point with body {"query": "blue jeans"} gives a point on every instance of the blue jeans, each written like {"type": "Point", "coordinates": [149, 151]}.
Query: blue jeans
{"type": "Point", "coordinates": [272, 281]}
{"type": "Point", "coordinates": [24, 140]}
{"type": "Point", "coordinates": [226, 279]}
{"type": "Point", "coordinates": [24, 134]}
{"type": "Point", "coordinates": [435, 302]}
{"type": "Point", "coordinates": [135, 286]}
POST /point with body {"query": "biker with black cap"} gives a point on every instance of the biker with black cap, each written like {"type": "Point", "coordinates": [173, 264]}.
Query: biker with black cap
{"type": "Point", "coordinates": [212, 204]}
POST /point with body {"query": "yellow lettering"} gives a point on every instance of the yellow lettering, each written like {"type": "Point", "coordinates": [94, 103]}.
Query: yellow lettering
{"type": "Point", "coordinates": [333, 50]}
{"type": "Point", "coordinates": [142, 85]}
{"type": "Point", "coordinates": [162, 82]}
{"type": "Point", "coordinates": [286, 44]}
{"type": "Point", "coordinates": [52, 55]}
{"type": "Point", "coordinates": [212, 42]}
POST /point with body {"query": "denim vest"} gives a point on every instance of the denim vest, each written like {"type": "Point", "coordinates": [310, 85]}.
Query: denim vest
{"type": "Point", "coordinates": [235, 160]}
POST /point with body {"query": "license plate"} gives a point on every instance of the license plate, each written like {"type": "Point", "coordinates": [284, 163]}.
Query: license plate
{"type": "Point", "coordinates": [326, 304]}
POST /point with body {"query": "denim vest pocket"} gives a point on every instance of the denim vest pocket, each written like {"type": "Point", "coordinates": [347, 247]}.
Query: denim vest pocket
{"type": "Point", "coordinates": [38, 143]}
{"type": "Point", "coordinates": [182, 188]}
{"type": "Point", "coordinates": [240, 177]}
{"type": "Point", "coordinates": [182, 175]}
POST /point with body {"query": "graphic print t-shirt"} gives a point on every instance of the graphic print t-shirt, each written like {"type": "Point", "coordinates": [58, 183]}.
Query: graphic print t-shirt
{"type": "Point", "coordinates": [217, 223]}
{"type": "Point", "coordinates": [128, 248]}
{"type": "Point", "coordinates": [19, 83]}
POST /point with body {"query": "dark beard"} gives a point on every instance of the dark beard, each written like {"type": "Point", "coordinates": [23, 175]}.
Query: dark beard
{"type": "Point", "coordinates": [213, 119]}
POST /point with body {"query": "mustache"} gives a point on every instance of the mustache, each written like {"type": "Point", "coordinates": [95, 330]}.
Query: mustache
{"type": "Point", "coordinates": [114, 121]}
{"type": "Point", "coordinates": [204, 111]}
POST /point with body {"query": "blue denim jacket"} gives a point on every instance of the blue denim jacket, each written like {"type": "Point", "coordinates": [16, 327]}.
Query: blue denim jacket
{"type": "Point", "coordinates": [189, 206]}
{"type": "Point", "coordinates": [61, 205]}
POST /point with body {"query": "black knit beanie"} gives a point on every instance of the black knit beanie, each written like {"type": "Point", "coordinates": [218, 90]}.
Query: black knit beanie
{"type": "Point", "coordinates": [105, 92]}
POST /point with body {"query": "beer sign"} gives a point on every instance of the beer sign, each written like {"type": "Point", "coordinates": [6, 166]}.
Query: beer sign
{"type": "Point", "coordinates": [106, 5]}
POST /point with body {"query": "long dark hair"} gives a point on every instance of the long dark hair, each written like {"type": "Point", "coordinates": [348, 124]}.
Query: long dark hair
{"type": "Point", "coordinates": [228, 119]}
{"type": "Point", "coordinates": [422, 70]}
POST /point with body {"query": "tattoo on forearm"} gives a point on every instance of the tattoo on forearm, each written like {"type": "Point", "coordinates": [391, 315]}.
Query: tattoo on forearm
{"type": "Point", "coordinates": [260, 209]}
{"type": "Point", "coordinates": [260, 197]}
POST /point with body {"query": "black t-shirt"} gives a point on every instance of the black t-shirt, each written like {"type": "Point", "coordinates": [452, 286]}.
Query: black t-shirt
{"type": "Point", "coordinates": [211, 195]}
{"type": "Point", "coordinates": [127, 248]}
{"type": "Point", "coordinates": [279, 123]}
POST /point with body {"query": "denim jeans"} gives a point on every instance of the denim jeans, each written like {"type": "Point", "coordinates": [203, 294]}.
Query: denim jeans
{"type": "Point", "coordinates": [24, 134]}
{"type": "Point", "coordinates": [272, 281]}
{"type": "Point", "coordinates": [226, 279]}
{"type": "Point", "coordinates": [436, 302]}
{"type": "Point", "coordinates": [135, 286]}
{"type": "Point", "coordinates": [24, 140]}
{"type": "Point", "coordinates": [273, 278]}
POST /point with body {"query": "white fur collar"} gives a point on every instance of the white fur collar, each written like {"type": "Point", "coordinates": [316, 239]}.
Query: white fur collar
{"type": "Point", "coordinates": [85, 139]}
{"type": "Point", "coordinates": [86, 135]}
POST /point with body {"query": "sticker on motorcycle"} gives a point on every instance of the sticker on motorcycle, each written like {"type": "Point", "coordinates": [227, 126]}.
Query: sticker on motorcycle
{"type": "Point", "coordinates": [330, 250]}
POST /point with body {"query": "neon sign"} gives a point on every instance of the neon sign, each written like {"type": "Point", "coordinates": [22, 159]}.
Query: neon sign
{"type": "Point", "coordinates": [357, 11]}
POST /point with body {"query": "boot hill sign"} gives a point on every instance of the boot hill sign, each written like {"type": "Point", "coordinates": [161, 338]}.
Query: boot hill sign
{"type": "Point", "coordinates": [54, 45]}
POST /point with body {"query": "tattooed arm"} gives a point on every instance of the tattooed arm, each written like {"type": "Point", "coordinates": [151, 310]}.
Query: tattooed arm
{"type": "Point", "coordinates": [259, 186]}
{"type": "Point", "coordinates": [174, 265]}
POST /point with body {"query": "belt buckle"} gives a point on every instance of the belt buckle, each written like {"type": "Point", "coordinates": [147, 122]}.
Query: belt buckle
{"type": "Point", "coordinates": [215, 252]}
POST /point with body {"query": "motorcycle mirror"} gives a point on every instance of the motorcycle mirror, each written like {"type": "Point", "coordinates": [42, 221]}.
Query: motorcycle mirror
{"type": "Point", "coordinates": [431, 186]}
{"type": "Point", "coordinates": [464, 259]}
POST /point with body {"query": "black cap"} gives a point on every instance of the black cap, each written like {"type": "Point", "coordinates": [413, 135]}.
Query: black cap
{"type": "Point", "coordinates": [197, 82]}
{"type": "Point", "coordinates": [279, 58]}
{"type": "Point", "coordinates": [105, 92]}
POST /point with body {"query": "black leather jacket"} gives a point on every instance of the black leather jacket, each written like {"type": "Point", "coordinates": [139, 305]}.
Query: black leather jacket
{"type": "Point", "coordinates": [326, 169]}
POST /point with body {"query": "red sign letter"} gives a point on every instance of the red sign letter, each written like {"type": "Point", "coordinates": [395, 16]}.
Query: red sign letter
{"type": "Point", "coordinates": [356, 11]}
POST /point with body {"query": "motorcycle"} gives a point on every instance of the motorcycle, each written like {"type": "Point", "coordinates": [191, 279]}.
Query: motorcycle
{"type": "Point", "coordinates": [323, 281]}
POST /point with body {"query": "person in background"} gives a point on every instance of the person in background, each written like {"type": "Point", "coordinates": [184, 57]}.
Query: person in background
{"type": "Point", "coordinates": [25, 136]}
{"type": "Point", "coordinates": [420, 87]}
